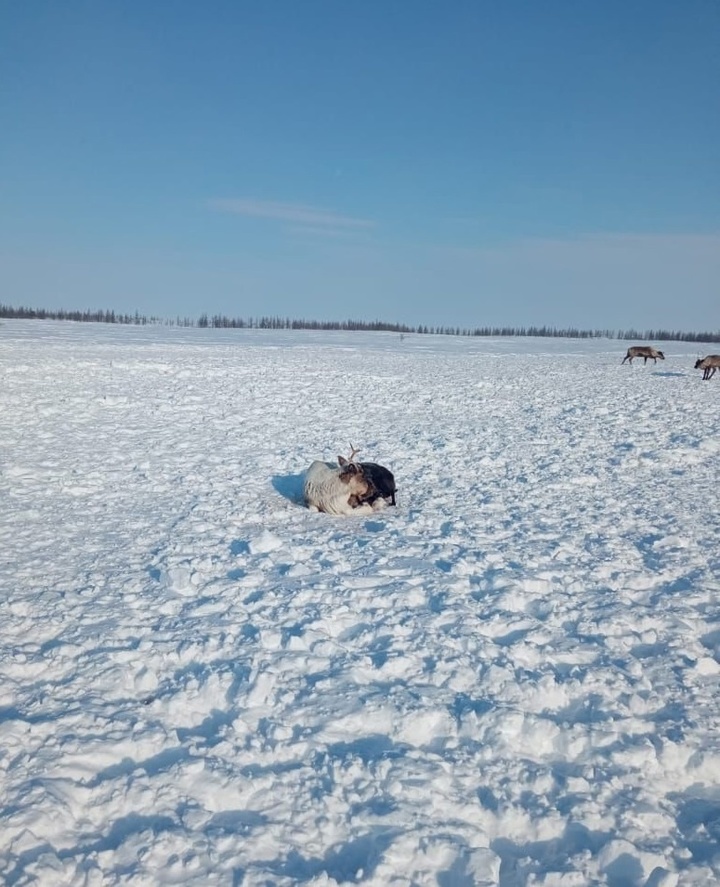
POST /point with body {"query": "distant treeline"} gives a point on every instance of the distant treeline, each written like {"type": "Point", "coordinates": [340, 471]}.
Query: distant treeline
{"type": "Point", "coordinates": [83, 316]}
{"type": "Point", "coordinates": [219, 321]}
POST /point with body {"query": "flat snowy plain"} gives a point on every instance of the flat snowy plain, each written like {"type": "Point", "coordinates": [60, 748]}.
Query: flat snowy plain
{"type": "Point", "coordinates": [509, 679]}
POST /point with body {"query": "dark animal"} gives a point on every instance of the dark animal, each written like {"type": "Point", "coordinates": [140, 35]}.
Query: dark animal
{"type": "Point", "coordinates": [381, 481]}
{"type": "Point", "coordinates": [643, 351]}
{"type": "Point", "coordinates": [708, 365]}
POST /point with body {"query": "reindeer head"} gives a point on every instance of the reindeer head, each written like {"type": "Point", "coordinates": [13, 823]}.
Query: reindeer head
{"type": "Point", "coordinates": [349, 462]}
{"type": "Point", "coordinates": [352, 474]}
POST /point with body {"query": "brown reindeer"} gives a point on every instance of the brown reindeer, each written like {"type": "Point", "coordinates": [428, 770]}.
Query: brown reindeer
{"type": "Point", "coordinates": [643, 351]}
{"type": "Point", "coordinates": [708, 365]}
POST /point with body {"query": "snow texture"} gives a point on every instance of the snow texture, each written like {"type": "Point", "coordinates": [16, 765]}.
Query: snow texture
{"type": "Point", "coordinates": [509, 679]}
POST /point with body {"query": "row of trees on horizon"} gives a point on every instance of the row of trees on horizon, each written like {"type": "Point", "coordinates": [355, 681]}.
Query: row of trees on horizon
{"type": "Point", "coordinates": [219, 321]}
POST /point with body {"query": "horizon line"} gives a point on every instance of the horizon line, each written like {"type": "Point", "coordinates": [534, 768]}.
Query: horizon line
{"type": "Point", "coordinates": [276, 322]}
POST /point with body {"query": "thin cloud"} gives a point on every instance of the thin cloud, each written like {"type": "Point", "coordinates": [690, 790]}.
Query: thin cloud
{"type": "Point", "coordinates": [297, 213]}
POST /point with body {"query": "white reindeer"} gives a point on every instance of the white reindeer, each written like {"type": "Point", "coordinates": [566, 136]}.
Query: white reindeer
{"type": "Point", "coordinates": [337, 490]}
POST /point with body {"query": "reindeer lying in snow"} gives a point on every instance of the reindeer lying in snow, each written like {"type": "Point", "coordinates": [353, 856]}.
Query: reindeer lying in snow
{"type": "Point", "coordinates": [350, 488]}
{"type": "Point", "coordinates": [708, 365]}
{"type": "Point", "coordinates": [643, 351]}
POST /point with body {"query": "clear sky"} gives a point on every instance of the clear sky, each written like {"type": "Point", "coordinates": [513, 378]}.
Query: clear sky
{"type": "Point", "coordinates": [461, 163]}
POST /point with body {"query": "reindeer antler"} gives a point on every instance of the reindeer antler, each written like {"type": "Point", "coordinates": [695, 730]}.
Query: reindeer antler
{"type": "Point", "coordinates": [353, 452]}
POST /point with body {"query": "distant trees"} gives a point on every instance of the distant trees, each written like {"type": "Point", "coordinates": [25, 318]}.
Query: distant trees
{"type": "Point", "coordinates": [220, 321]}
{"type": "Point", "coordinates": [83, 316]}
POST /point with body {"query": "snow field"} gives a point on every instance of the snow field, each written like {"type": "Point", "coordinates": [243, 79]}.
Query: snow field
{"type": "Point", "coordinates": [509, 679]}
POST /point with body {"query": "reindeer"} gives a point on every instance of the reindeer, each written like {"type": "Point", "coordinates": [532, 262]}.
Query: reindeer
{"type": "Point", "coordinates": [708, 365]}
{"type": "Point", "coordinates": [353, 487]}
{"type": "Point", "coordinates": [337, 490]}
{"type": "Point", "coordinates": [643, 351]}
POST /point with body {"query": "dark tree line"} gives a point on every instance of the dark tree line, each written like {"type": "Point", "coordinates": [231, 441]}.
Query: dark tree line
{"type": "Point", "coordinates": [82, 316]}
{"type": "Point", "coordinates": [219, 321]}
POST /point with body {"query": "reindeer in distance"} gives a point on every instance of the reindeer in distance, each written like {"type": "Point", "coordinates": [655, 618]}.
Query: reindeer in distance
{"type": "Point", "coordinates": [708, 365]}
{"type": "Point", "coordinates": [644, 351]}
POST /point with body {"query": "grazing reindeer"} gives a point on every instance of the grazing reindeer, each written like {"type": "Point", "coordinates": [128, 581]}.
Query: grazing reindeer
{"type": "Point", "coordinates": [643, 351]}
{"type": "Point", "coordinates": [338, 490]}
{"type": "Point", "coordinates": [708, 365]}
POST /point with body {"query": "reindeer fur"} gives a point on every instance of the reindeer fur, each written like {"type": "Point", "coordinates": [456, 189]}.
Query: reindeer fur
{"type": "Point", "coordinates": [336, 489]}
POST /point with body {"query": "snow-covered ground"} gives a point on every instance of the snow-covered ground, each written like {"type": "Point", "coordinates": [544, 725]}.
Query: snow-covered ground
{"type": "Point", "coordinates": [509, 679]}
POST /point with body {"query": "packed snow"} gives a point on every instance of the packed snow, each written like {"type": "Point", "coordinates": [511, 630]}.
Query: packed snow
{"type": "Point", "coordinates": [511, 678]}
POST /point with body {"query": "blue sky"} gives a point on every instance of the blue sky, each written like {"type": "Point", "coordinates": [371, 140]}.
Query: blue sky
{"type": "Point", "coordinates": [466, 163]}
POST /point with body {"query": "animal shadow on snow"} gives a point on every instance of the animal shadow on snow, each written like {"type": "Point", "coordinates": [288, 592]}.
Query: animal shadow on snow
{"type": "Point", "coordinates": [290, 486]}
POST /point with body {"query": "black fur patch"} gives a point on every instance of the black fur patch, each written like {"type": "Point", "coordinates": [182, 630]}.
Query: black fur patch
{"type": "Point", "coordinates": [381, 481]}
